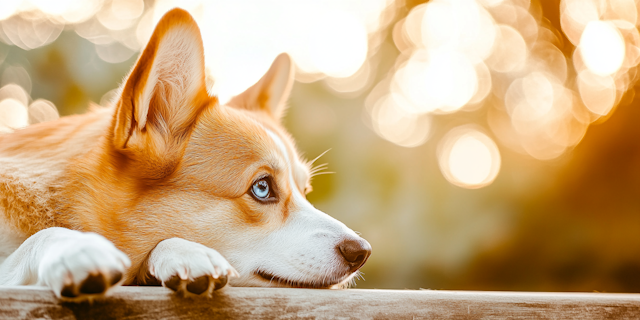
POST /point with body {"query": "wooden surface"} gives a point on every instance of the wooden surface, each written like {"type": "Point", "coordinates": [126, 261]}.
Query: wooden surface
{"type": "Point", "coordinates": [271, 303]}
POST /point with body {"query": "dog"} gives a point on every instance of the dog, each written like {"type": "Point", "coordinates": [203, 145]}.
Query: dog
{"type": "Point", "coordinates": [168, 187]}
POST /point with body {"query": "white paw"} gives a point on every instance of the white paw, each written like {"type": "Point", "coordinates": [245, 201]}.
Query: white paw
{"type": "Point", "coordinates": [82, 266]}
{"type": "Point", "coordinates": [189, 268]}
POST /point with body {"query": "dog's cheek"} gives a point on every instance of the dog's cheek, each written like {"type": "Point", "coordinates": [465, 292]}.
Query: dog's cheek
{"type": "Point", "coordinates": [247, 212]}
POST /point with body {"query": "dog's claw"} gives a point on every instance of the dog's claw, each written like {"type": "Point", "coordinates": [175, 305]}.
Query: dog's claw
{"type": "Point", "coordinates": [198, 285]}
{"type": "Point", "coordinates": [68, 291]}
{"type": "Point", "coordinates": [220, 282]}
{"type": "Point", "coordinates": [94, 283]}
{"type": "Point", "coordinates": [116, 276]}
{"type": "Point", "coordinates": [173, 283]}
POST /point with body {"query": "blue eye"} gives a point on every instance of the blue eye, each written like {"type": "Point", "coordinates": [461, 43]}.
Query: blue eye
{"type": "Point", "coordinates": [261, 189]}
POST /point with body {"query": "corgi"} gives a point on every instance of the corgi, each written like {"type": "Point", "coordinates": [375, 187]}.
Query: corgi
{"type": "Point", "coordinates": [169, 187]}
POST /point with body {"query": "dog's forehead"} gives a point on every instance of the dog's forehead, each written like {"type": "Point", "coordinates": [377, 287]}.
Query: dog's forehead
{"type": "Point", "coordinates": [228, 146]}
{"type": "Point", "coordinates": [299, 171]}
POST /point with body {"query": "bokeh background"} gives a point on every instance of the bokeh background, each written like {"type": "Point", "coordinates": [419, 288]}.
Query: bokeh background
{"type": "Point", "coordinates": [477, 144]}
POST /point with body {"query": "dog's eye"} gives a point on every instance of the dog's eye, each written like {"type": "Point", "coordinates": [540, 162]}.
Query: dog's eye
{"type": "Point", "coordinates": [262, 190]}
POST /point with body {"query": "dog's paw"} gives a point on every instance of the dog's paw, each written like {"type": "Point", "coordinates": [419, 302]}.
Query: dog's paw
{"type": "Point", "coordinates": [189, 268]}
{"type": "Point", "coordinates": [83, 267]}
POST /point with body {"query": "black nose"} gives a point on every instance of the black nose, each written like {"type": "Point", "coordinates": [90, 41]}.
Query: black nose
{"type": "Point", "coordinates": [356, 251]}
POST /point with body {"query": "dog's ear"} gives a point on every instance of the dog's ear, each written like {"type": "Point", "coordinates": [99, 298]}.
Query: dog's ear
{"type": "Point", "coordinates": [162, 96]}
{"type": "Point", "coordinates": [271, 92]}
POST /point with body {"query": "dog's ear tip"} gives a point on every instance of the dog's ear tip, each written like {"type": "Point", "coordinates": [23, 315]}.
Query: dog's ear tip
{"type": "Point", "coordinates": [284, 59]}
{"type": "Point", "coordinates": [271, 92]}
{"type": "Point", "coordinates": [177, 14]}
{"type": "Point", "coordinates": [176, 17]}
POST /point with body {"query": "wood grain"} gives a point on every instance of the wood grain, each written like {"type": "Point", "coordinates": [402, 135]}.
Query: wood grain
{"type": "Point", "coordinates": [280, 303]}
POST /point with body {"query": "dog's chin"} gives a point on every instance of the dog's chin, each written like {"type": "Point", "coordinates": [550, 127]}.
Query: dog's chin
{"type": "Point", "coordinates": [271, 280]}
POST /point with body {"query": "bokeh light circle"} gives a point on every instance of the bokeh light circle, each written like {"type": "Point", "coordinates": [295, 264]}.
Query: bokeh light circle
{"type": "Point", "coordinates": [468, 158]}
{"type": "Point", "coordinates": [42, 111]}
{"type": "Point", "coordinates": [13, 114]}
{"type": "Point", "coordinates": [598, 93]}
{"type": "Point", "coordinates": [338, 48]}
{"type": "Point", "coordinates": [602, 48]}
{"type": "Point", "coordinates": [395, 124]}
{"type": "Point", "coordinates": [510, 52]}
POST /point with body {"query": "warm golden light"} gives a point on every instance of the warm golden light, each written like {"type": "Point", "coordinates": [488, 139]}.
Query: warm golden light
{"type": "Point", "coordinates": [325, 39]}
{"type": "Point", "coordinates": [530, 98]}
{"type": "Point", "coordinates": [441, 80]}
{"type": "Point", "coordinates": [602, 48]}
{"type": "Point", "coordinates": [398, 126]}
{"type": "Point", "coordinates": [42, 111]}
{"type": "Point", "coordinates": [463, 26]}
{"type": "Point", "coordinates": [455, 54]}
{"type": "Point", "coordinates": [625, 10]}
{"type": "Point", "coordinates": [15, 92]}
{"type": "Point", "coordinates": [597, 92]}
{"type": "Point", "coordinates": [338, 48]}
{"type": "Point", "coordinates": [13, 115]}
{"type": "Point", "coordinates": [510, 52]}
{"type": "Point", "coordinates": [485, 83]}
{"type": "Point", "coordinates": [468, 158]}
{"type": "Point", "coordinates": [8, 8]}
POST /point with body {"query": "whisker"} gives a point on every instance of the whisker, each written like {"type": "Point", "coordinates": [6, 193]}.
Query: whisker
{"type": "Point", "coordinates": [319, 167]}
{"type": "Point", "coordinates": [321, 173]}
{"type": "Point", "coordinates": [318, 157]}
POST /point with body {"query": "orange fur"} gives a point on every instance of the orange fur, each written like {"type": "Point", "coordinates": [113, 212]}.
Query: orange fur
{"type": "Point", "coordinates": [32, 167]}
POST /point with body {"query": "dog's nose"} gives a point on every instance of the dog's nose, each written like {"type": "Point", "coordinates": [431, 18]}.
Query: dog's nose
{"type": "Point", "coordinates": [355, 251]}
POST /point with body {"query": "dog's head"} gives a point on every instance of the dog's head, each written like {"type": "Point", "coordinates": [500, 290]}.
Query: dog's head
{"type": "Point", "coordinates": [227, 176]}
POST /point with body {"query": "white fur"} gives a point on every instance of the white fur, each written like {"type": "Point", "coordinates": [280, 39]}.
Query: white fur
{"type": "Point", "coordinates": [188, 260]}
{"type": "Point", "coordinates": [56, 257]}
{"type": "Point", "coordinates": [304, 249]}
{"type": "Point", "coordinates": [10, 239]}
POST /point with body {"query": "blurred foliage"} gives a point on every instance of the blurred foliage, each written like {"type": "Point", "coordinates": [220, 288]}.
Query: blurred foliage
{"type": "Point", "coordinates": [67, 72]}
{"type": "Point", "coordinates": [581, 233]}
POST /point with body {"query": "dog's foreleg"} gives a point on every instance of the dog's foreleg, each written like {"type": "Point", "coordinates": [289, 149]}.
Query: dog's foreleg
{"type": "Point", "coordinates": [189, 268]}
{"type": "Point", "coordinates": [73, 264]}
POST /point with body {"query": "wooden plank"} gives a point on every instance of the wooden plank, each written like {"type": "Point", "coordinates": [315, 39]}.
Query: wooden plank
{"type": "Point", "coordinates": [281, 303]}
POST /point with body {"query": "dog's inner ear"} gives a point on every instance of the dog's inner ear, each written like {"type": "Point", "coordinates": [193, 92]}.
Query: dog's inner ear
{"type": "Point", "coordinates": [163, 94]}
{"type": "Point", "coordinates": [271, 92]}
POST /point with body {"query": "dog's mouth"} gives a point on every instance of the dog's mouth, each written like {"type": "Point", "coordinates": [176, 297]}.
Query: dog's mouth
{"type": "Point", "coordinates": [279, 281]}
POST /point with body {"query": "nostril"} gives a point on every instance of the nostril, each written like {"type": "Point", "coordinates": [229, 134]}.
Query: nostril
{"type": "Point", "coordinates": [355, 251]}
